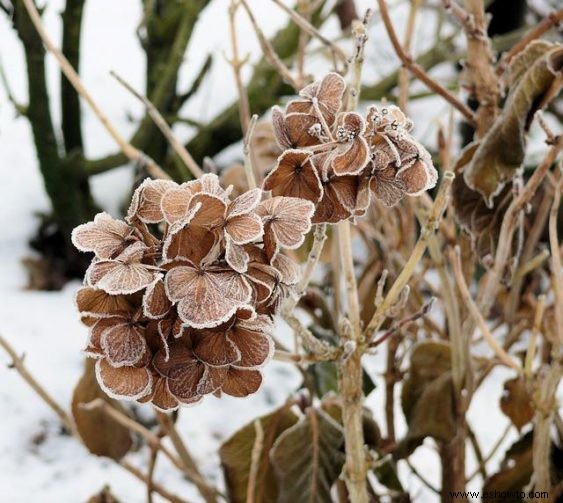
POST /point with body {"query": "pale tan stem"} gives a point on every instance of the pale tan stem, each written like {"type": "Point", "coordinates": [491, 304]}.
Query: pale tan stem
{"type": "Point", "coordinates": [532, 343]}
{"type": "Point", "coordinates": [313, 32]}
{"type": "Point", "coordinates": [403, 73]}
{"type": "Point", "coordinates": [417, 70]}
{"type": "Point", "coordinates": [130, 152]}
{"type": "Point", "coordinates": [18, 365]}
{"type": "Point", "coordinates": [208, 492]}
{"type": "Point", "coordinates": [480, 67]}
{"type": "Point", "coordinates": [248, 164]}
{"type": "Point", "coordinates": [268, 50]}
{"type": "Point", "coordinates": [502, 355]}
{"type": "Point", "coordinates": [508, 226]}
{"type": "Point", "coordinates": [255, 461]}
{"type": "Point", "coordinates": [237, 63]}
{"type": "Point", "coordinates": [545, 401]}
{"type": "Point", "coordinates": [556, 272]}
{"type": "Point", "coordinates": [409, 268]}
{"type": "Point", "coordinates": [157, 488]}
{"type": "Point", "coordinates": [551, 20]}
{"type": "Point", "coordinates": [165, 129]}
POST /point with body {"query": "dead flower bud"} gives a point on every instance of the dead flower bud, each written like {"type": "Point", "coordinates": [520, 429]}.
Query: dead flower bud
{"type": "Point", "coordinates": [184, 309]}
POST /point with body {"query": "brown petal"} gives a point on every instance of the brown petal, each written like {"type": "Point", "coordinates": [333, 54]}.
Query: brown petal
{"type": "Point", "coordinates": [245, 203]}
{"type": "Point", "coordinates": [212, 379]}
{"type": "Point", "coordinates": [104, 236]}
{"type": "Point", "coordinates": [253, 342]}
{"type": "Point", "coordinates": [117, 278]}
{"type": "Point", "coordinates": [290, 273]}
{"type": "Point", "coordinates": [184, 385]}
{"type": "Point", "coordinates": [299, 127]}
{"type": "Point", "coordinates": [214, 348]}
{"type": "Point", "coordinates": [280, 131]}
{"type": "Point", "coordinates": [170, 363]}
{"type": "Point", "coordinates": [123, 344]}
{"type": "Point", "coordinates": [211, 213]}
{"type": "Point", "coordinates": [331, 91]}
{"type": "Point", "coordinates": [99, 304]}
{"type": "Point", "coordinates": [161, 398]}
{"type": "Point", "coordinates": [150, 194]}
{"type": "Point", "coordinates": [353, 159]}
{"type": "Point", "coordinates": [155, 302]}
{"type": "Point", "coordinates": [386, 187]}
{"type": "Point", "coordinates": [418, 176]}
{"type": "Point", "coordinates": [295, 176]}
{"type": "Point", "coordinates": [241, 383]}
{"type": "Point", "coordinates": [175, 203]}
{"type": "Point", "coordinates": [235, 255]}
{"type": "Point", "coordinates": [330, 209]}
{"type": "Point", "coordinates": [129, 383]}
{"type": "Point", "coordinates": [244, 229]}
{"type": "Point", "coordinates": [289, 219]}
{"type": "Point", "coordinates": [190, 242]}
{"type": "Point", "coordinates": [206, 298]}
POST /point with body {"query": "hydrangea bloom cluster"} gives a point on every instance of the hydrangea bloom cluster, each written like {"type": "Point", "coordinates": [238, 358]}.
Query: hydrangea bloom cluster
{"type": "Point", "coordinates": [179, 298]}
{"type": "Point", "coordinates": [338, 160]}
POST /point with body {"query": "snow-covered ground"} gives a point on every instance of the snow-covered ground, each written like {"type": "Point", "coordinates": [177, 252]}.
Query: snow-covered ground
{"type": "Point", "coordinates": [36, 462]}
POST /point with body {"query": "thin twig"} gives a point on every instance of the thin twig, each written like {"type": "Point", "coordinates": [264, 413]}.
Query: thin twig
{"type": "Point", "coordinates": [248, 164]}
{"type": "Point", "coordinates": [237, 63]}
{"type": "Point", "coordinates": [556, 272]}
{"type": "Point", "coordinates": [255, 456]}
{"type": "Point", "coordinates": [532, 343]}
{"type": "Point", "coordinates": [161, 123]}
{"type": "Point", "coordinates": [495, 274]}
{"type": "Point", "coordinates": [268, 50]}
{"type": "Point", "coordinates": [151, 438]}
{"type": "Point", "coordinates": [403, 73]}
{"type": "Point", "coordinates": [408, 270]}
{"type": "Point", "coordinates": [18, 364]}
{"type": "Point", "coordinates": [313, 32]}
{"type": "Point", "coordinates": [503, 356]}
{"type": "Point", "coordinates": [417, 70]}
{"type": "Point", "coordinates": [129, 150]}
{"type": "Point", "coordinates": [133, 470]}
{"type": "Point", "coordinates": [208, 492]}
{"type": "Point", "coordinates": [423, 311]}
{"type": "Point", "coordinates": [553, 19]}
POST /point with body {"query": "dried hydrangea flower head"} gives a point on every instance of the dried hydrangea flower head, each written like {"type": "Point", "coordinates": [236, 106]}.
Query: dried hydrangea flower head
{"type": "Point", "coordinates": [338, 160]}
{"type": "Point", "coordinates": [179, 298]}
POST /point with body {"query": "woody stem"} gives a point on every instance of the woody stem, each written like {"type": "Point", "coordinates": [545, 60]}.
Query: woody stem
{"type": "Point", "coordinates": [350, 370]}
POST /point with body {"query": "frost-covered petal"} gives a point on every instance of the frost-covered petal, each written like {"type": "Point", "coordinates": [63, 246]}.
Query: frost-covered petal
{"type": "Point", "coordinates": [241, 383]}
{"type": "Point", "coordinates": [353, 159]}
{"type": "Point", "coordinates": [105, 236]}
{"type": "Point", "coordinates": [253, 341]}
{"type": "Point", "coordinates": [245, 203]}
{"type": "Point", "coordinates": [206, 298]}
{"type": "Point", "coordinates": [99, 304]}
{"type": "Point", "coordinates": [128, 383]}
{"type": "Point", "coordinates": [289, 219]}
{"type": "Point", "coordinates": [149, 196]}
{"type": "Point", "coordinates": [117, 278]}
{"type": "Point", "coordinates": [175, 203]}
{"type": "Point", "coordinates": [289, 270]}
{"type": "Point", "coordinates": [235, 255]}
{"type": "Point", "coordinates": [123, 344]}
{"type": "Point", "coordinates": [155, 302]}
{"type": "Point", "coordinates": [295, 176]}
{"type": "Point", "coordinates": [244, 229]}
{"type": "Point", "coordinates": [214, 348]}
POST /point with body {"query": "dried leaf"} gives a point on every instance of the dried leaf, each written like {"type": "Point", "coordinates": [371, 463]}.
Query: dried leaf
{"type": "Point", "coordinates": [515, 472]}
{"type": "Point", "coordinates": [102, 435]}
{"type": "Point", "coordinates": [308, 458]}
{"type": "Point", "coordinates": [427, 396]}
{"type": "Point", "coordinates": [516, 402]}
{"type": "Point", "coordinates": [501, 152]}
{"type": "Point", "coordinates": [236, 453]}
